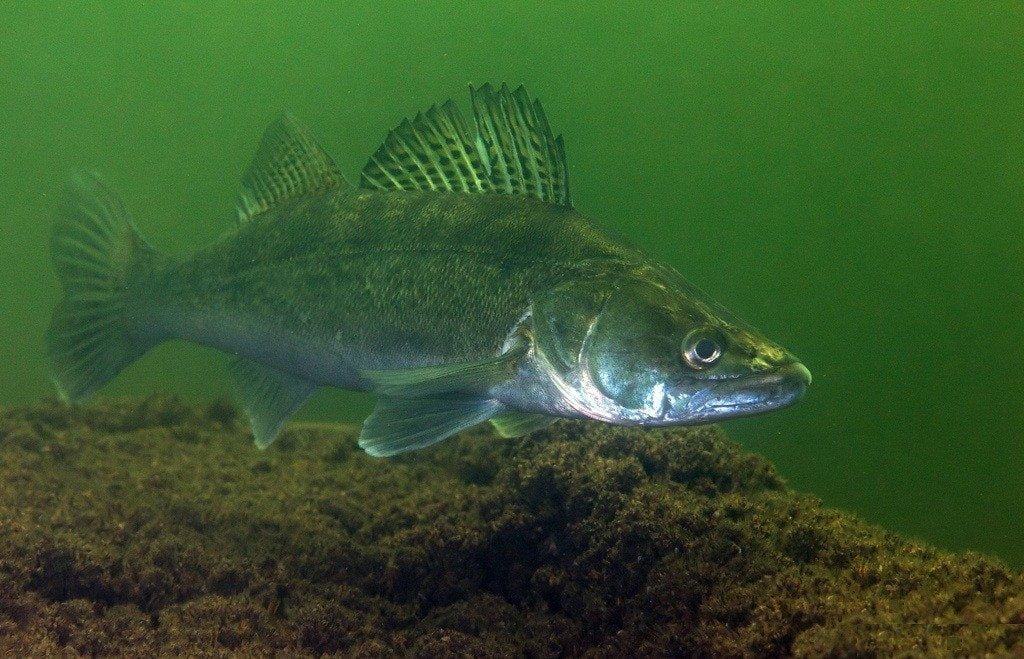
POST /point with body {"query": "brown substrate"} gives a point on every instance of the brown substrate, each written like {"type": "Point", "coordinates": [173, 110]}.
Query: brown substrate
{"type": "Point", "coordinates": [151, 527]}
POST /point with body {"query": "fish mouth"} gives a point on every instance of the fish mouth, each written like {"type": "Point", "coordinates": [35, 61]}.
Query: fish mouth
{"type": "Point", "coordinates": [772, 390]}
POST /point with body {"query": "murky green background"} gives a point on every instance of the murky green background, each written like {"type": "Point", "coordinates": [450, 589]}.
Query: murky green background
{"type": "Point", "coordinates": [847, 176]}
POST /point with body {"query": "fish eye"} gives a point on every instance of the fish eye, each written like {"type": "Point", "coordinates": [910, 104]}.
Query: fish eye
{"type": "Point", "coordinates": [701, 349]}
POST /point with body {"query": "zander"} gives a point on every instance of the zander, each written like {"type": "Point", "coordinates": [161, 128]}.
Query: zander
{"type": "Point", "coordinates": [457, 282]}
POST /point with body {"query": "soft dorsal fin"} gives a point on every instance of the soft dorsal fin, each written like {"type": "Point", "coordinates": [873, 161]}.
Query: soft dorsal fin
{"type": "Point", "coordinates": [512, 152]}
{"type": "Point", "coordinates": [288, 163]}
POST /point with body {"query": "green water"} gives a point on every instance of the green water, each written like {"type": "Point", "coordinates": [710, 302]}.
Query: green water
{"type": "Point", "coordinates": [848, 178]}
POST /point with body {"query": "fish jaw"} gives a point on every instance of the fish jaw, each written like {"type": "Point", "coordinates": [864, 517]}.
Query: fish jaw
{"type": "Point", "coordinates": [738, 397]}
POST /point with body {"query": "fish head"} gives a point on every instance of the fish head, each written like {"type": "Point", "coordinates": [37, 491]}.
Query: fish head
{"type": "Point", "coordinates": [649, 349]}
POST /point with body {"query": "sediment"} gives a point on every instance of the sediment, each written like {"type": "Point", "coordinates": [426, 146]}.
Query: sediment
{"type": "Point", "coordinates": [153, 527]}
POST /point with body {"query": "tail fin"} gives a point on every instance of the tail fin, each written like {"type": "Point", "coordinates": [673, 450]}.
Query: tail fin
{"type": "Point", "coordinates": [96, 250]}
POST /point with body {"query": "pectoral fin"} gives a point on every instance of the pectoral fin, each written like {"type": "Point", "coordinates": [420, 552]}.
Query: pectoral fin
{"type": "Point", "coordinates": [517, 424]}
{"type": "Point", "coordinates": [268, 397]}
{"type": "Point", "coordinates": [398, 425]}
{"type": "Point", "coordinates": [474, 377]}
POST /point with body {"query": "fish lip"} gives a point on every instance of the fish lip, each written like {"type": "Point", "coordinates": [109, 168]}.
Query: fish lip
{"type": "Point", "coordinates": [775, 389]}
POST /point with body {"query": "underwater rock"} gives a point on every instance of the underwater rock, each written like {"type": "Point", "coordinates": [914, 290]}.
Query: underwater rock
{"type": "Point", "coordinates": [156, 527]}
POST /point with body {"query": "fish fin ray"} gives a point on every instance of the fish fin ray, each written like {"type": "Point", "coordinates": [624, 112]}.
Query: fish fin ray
{"type": "Point", "coordinates": [524, 157]}
{"type": "Point", "coordinates": [513, 151]}
{"type": "Point", "coordinates": [433, 151]}
{"type": "Point", "coordinates": [97, 252]}
{"type": "Point", "coordinates": [268, 397]}
{"type": "Point", "coordinates": [467, 377]}
{"type": "Point", "coordinates": [517, 424]}
{"type": "Point", "coordinates": [288, 163]}
{"type": "Point", "coordinates": [398, 425]}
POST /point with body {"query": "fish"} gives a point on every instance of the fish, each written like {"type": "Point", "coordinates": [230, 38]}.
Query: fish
{"type": "Point", "coordinates": [457, 281]}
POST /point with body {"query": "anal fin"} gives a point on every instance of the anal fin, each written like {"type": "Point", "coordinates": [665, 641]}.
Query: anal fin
{"type": "Point", "coordinates": [268, 397]}
{"type": "Point", "coordinates": [398, 425]}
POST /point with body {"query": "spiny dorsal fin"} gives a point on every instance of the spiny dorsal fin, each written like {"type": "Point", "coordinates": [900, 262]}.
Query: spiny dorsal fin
{"type": "Point", "coordinates": [524, 158]}
{"type": "Point", "coordinates": [513, 151]}
{"type": "Point", "coordinates": [288, 163]}
{"type": "Point", "coordinates": [431, 152]}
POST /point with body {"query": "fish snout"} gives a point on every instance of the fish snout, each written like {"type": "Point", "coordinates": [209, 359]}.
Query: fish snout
{"type": "Point", "coordinates": [787, 384]}
{"type": "Point", "coordinates": [769, 389]}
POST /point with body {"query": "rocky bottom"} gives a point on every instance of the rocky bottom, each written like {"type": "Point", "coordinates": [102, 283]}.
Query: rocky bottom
{"type": "Point", "coordinates": [151, 527]}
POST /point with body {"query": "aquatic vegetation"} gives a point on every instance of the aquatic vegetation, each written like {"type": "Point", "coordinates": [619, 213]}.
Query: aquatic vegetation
{"type": "Point", "coordinates": [149, 526]}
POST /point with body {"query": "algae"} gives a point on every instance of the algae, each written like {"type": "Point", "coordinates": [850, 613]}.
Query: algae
{"type": "Point", "coordinates": [153, 527]}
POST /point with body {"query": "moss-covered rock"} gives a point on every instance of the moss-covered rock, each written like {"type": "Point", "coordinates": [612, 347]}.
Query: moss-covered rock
{"type": "Point", "coordinates": [154, 527]}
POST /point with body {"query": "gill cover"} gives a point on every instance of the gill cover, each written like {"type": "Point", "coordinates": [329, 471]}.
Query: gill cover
{"type": "Point", "coordinates": [611, 344]}
{"type": "Point", "coordinates": [564, 317]}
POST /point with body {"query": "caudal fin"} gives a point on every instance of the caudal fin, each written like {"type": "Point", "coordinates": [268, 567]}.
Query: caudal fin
{"type": "Point", "coordinates": [96, 251]}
